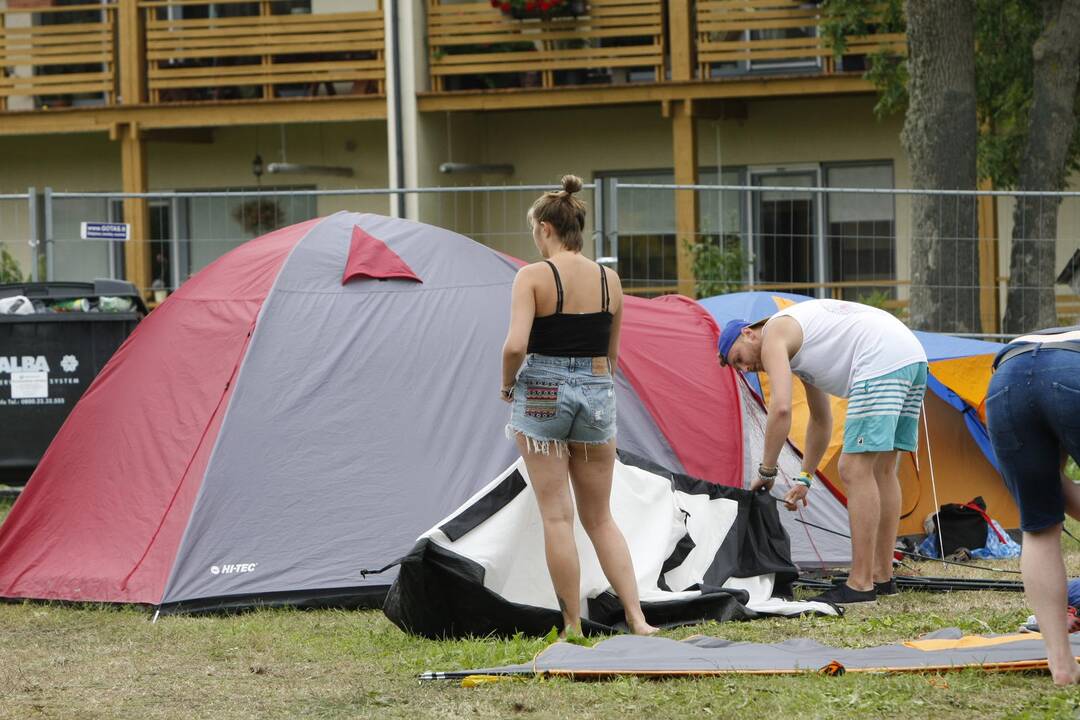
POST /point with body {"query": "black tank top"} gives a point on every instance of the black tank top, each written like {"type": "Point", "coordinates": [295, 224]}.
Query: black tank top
{"type": "Point", "coordinates": [566, 335]}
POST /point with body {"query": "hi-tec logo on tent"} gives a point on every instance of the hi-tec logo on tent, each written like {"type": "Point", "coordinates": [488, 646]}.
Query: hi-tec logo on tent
{"type": "Point", "coordinates": [233, 568]}
{"type": "Point", "coordinates": [26, 363]}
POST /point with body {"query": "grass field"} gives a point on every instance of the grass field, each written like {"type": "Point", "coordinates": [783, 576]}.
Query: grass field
{"type": "Point", "coordinates": [104, 662]}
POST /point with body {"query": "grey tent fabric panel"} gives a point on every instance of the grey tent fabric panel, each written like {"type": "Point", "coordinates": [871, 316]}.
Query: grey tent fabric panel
{"type": "Point", "coordinates": [633, 655]}
{"type": "Point", "coordinates": [638, 432]}
{"type": "Point", "coordinates": [344, 439]}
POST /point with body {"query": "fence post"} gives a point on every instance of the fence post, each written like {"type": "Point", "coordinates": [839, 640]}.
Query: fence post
{"type": "Point", "coordinates": [598, 218]}
{"type": "Point", "coordinates": [34, 208]}
{"type": "Point", "coordinates": [50, 251]}
{"type": "Point", "coordinates": [613, 229]}
{"type": "Point", "coordinates": [989, 306]}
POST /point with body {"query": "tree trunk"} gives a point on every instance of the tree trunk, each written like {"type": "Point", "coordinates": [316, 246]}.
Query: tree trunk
{"type": "Point", "coordinates": [940, 135]}
{"type": "Point", "coordinates": [1030, 304]}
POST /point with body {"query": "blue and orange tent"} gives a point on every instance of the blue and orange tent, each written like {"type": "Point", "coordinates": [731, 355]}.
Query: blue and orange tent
{"type": "Point", "coordinates": [963, 463]}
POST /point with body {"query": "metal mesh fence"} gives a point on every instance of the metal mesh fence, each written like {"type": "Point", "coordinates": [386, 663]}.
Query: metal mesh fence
{"type": "Point", "coordinates": [17, 238]}
{"type": "Point", "coordinates": [947, 261]}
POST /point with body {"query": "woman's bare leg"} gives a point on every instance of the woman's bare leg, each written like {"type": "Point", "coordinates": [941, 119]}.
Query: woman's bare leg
{"type": "Point", "coordinates": [592, 489]}
{"type": "Point", "coordinates": [548, 474]}
{"type": "Point", "coordinates": [1044, 585]}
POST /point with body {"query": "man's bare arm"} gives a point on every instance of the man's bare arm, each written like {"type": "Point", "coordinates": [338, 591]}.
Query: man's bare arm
{"type": "Point", "coordinates": [775, 361]}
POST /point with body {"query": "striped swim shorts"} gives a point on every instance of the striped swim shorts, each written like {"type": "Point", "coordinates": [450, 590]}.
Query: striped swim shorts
{"type": "Point", "coordinates": [883, 412]}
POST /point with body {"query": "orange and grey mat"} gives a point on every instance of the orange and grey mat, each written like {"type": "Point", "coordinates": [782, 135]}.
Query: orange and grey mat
{"type": "Point", "coordinates": [700, 655]}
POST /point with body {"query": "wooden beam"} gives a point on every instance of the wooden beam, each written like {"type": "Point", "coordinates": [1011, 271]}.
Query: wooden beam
{"type": "Point", "coordinates": [684, 155]}
{"type": "Point", "coordinates": [644, 93]}
{"type": "Point", "coordinates": [989, 300]}
{"type": "Point", "coordinates": [192, 136]}
{"type": "Point", "coordinates": [681, 26]}
{"type": "Point", "coordinates": [194, 115]}
{"type": "Point", "coordinates": [136, 210]}
{"type": "Point", "coordinates": [132, 52]}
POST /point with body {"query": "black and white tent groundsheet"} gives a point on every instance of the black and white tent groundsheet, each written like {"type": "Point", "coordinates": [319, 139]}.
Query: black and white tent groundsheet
{"type": "Point", "coordinates": [701, 552]}
{"type": "Point", "coordinates": [946, 649]}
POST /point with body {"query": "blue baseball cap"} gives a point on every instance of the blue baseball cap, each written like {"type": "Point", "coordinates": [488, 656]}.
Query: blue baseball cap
{"type": "Point", "coordinates": [729, 336]}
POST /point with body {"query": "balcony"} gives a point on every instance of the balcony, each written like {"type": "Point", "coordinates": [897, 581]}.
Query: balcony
{"type": "Point", "coordinates": [196, 52]}
{"type": "Point", "coordinates": [641, 50]}
{"type": "Point", "coordinates": [58, 56]}
{"type": "Point", "coordinates": [477, 46]}
{"type": "Point", "coordinates": [166, 53]}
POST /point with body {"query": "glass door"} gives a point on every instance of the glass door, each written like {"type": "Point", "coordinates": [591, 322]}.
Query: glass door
{"type": "Point", "coordinates": [786, 231]}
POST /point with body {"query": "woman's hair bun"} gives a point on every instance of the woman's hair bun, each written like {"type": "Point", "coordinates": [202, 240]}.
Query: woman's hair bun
{"type": "Point", "coordinates": [571, 184]}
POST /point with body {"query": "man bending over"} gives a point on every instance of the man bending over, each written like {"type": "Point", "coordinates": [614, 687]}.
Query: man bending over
{"type": "Point", "coordinates": [852, 351]}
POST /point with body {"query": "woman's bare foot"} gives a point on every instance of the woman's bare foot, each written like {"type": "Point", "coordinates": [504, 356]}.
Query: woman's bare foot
{"type": "Point", "coordinates": [1067, 673]}
{"type": "Point", "coordinates": [573, 632]}
{"type": "Point", "coordinates": [643, 628]}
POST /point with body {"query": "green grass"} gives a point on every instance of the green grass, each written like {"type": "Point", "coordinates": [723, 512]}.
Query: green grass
{"type": "Point", "coordinates": [106, 662]}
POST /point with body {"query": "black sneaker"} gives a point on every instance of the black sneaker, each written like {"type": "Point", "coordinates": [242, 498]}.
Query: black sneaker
{"type": "Point", "coordinates": [843, 594]}
{"type": "Point", "coordinates": [886, 588]}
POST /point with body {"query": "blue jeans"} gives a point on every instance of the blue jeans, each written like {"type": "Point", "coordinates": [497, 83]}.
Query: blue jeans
{"type": "Point", "coordinates": [1033, 414]}
{"type": "Point", "coordinates": [563, 399]}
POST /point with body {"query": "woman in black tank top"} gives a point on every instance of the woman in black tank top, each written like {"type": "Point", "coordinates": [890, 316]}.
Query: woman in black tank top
{"type": "Point", "coordinates": [563, 400]}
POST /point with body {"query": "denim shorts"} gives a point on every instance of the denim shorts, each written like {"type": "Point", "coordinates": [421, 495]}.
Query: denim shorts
{"type": "Point", "coordinates": [1033, 415]}
{"type": "Point", "coordinates": [883, 412]}
{"type": "Point", "coordinates": [563, 399]}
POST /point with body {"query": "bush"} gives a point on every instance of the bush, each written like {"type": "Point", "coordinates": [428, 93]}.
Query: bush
{"type": "Point", "coordinates": [718, 266]}
{"type": "Point", "coordinates": [10, 272]}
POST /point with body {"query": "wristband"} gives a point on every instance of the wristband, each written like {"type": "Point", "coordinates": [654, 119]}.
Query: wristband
{"type": "Point", "coordinates": [767, 472]}
{"type": "Point", "coordinates": [804, 479]}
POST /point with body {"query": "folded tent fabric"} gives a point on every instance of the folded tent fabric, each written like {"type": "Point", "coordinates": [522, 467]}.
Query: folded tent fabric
{"type": "Point", "coordinates": [701, 551]}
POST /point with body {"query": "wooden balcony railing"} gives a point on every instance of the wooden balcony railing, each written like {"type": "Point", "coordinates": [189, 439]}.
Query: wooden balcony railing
{"type": "Point", "coordinates": [739, 36]}
{"type": "Point", "coordinates": [264, 55]}
{"type": "Point", "coordinates": [62, 56]}
{"type": "Point", "coordinates": [475, 44]}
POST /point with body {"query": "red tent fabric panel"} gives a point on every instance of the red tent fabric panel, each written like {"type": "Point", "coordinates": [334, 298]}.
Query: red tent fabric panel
{"type": "Point", "coordinates": [128, 510]}
{"type": "Point", "coordinates": [371, 258]}
{"type": "Point", "coordinates": [668, 353]}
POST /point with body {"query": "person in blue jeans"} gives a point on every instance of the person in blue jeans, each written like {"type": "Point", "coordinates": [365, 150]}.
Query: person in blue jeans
{"type": "Point", "coordinates": [1033, 415]}
{"type": "Point", "coordinates": [565, 316]}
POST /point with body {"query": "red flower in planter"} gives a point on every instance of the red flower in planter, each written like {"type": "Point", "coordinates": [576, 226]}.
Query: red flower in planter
{"type": "Point", "coordinates": [496, 4]}
{"type": "Point", "coordinates": [542, 8]}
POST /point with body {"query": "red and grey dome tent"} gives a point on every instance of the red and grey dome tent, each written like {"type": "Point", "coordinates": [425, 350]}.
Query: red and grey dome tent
{"type": "Point", "coordinates": [311, 403]}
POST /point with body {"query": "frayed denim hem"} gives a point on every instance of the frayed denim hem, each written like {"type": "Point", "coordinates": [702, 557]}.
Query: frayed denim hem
{"type": "Point", "coordinates": [543, 446]}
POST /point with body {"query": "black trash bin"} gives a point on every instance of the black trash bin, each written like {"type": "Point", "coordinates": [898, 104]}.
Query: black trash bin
{"type": "Point", "coordinates": [49, 357]}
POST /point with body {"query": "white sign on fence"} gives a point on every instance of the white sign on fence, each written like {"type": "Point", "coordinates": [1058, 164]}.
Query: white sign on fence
{"type": "Point", "coordinates": [104, 231]}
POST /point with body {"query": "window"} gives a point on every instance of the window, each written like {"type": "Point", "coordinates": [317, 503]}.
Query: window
{"type": "Point", "coordinates": [861, 230]}
{"type": "Point", "coordinates": [639, 228]}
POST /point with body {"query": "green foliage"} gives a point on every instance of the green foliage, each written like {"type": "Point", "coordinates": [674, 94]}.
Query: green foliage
{"type": "Point", "coordinates": [10, 271]}
{"type": "Point", "coordinates": [1005, 32]}
{"type": "Point", "coordinates": [1072, 470]}
{"type": "Point", "coordinates": [881, 300]}
{"type": "Point", "coordinates": [886, 70]}
{"type": "Point", "coordinates": [717, 266]}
